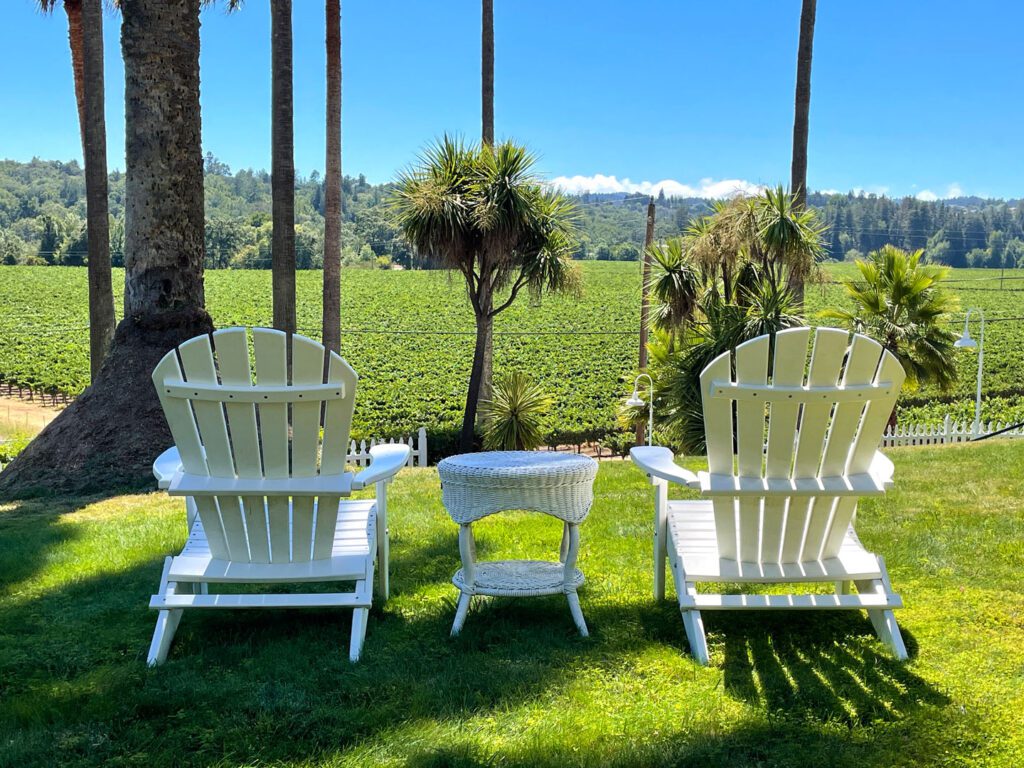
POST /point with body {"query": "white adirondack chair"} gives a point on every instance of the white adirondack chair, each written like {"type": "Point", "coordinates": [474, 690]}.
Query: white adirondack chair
{"type": "Point", "coordinates": [788, 459]}
{"type": "Point", "coordinates": [263, 490]}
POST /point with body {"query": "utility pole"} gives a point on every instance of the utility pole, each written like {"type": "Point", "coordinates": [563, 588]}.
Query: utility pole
{"type": "Point", "coordinates": [645, 307]}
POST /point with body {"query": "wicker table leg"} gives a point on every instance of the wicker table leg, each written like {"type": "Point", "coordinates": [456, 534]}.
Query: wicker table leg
{"type": "Point", "coordinates": [467, 551]}
{"type": "Point", "coordinates": [571, 543]}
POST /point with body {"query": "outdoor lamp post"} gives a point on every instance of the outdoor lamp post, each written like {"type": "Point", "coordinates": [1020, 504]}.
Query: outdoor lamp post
{"type": "Point", "coordinates": [635, 401]}
{"type": "Point", "coordinates": [966, 342]}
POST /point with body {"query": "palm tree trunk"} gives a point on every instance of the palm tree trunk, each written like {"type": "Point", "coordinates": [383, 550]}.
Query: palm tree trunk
{"type": "Point", "coordinates": [798, 181]}
{"type": "Point", "coordinates": [332, 184]}
{"type": "Point", "coordinates": [282, 167]}
{"type": "Point", "coordinates": [487, 70]}
{"type": "Point", "coordinates": [94, 151]}
{"type": "Point", "coordinates": [107, 438]}
{"type": "Point", "coordinates": [484, 333]}
{"type": "Point", "coordinates": [73, 9]}
{"type": "Point", "coordinates": [487, 121]}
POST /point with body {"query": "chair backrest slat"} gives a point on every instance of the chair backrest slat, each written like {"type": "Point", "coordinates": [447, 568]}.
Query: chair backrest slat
{"type": "Point", "coordinates": [787, 371]}
{"type": "Point", "coordinates": [230, 427]}
{"type": "Point", "coordinates": [790, 429]}
{"type": "Point", "coordinates": [307, 369]}
{"type": "Point", "coordinates": [751, 368]}
{"type": "Point", "coordinates": [861, 365]}
{"type": "Point", "coordinates": [232, 345]}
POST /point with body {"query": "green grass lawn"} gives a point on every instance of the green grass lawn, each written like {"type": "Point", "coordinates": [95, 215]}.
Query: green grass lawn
{"type": "Point", "coordinates": [519, 687]}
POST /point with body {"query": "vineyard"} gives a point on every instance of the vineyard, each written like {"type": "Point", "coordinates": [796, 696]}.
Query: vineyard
{"type": "Point", "coordinates": [409, 334]}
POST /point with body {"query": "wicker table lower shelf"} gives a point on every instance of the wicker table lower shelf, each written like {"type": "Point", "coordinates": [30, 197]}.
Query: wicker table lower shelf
{"type": "Point", "coordinates": [518, 578]}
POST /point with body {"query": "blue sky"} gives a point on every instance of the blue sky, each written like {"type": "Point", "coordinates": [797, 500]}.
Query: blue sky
{"type": "Point", "coordinates": [918, 97]}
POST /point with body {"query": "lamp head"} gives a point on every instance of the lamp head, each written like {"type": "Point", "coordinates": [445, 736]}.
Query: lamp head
{"type": "Point", "coordinates": [965, 342]}
{"type": "Point", "coordinates": [635, 401]}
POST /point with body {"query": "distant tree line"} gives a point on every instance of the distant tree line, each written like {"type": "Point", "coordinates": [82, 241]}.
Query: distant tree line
{"type": "Point", "coordinates": [42, 221]}
{"type": "Point", "coordinates": [962, 232]}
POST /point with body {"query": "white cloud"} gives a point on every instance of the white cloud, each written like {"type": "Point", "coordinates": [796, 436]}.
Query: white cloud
{"type": "Point", "coordinates": [953, 190]}
{"type": "Point", "coordinates": [706, 188]}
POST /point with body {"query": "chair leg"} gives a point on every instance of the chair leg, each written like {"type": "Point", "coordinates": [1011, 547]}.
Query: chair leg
{"type": "Point", "coordinates": [577, 613]}
{"type": "Point", "coordinates": [660, 537]}
{"type": "Point", "coordinates": [460, 613]}
{"type": "Point", "coordinates": [888, 632]}
{"type": "Point", "coordinates": [166, 622]}
{"type": "Point", "coordinates": [884, 620]}
{"type": "Point", "coordinates": [166, 626]}
{"type": "Point", "coordinates": [694, 625]}
{"type": "Point", "coordinates": [692, 621]}
{"type": "Point", "coordinates": [360, 617]}
{"type": "Point", "coordinates": [383, 543]}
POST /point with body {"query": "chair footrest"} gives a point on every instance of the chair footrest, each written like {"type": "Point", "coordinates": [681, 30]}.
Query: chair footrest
{"type": "Point", "coordinates": [788, 602]}
{"type": "Point", "coordinates": [327, 600]}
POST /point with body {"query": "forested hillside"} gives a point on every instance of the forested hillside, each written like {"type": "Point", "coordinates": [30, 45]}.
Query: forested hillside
{"type": "Point", "coordinates": [42, 221]}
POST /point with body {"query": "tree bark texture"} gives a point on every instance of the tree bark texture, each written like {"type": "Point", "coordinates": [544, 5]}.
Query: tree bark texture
{"type": "Point", "coordinates": [282, 170]}
{"type": "Point", "coordinates": [487, 71]}
{"type": "Point", "coordinates": [73, 9]}
{"type": "Point", "coordinates": [332, 184]}
{"type": "Point", "coordinates": [163, 218]}
{"type": "Point", "coordinates": [94, 151]}
{"type": "Point", "coordinates": [805, 52]}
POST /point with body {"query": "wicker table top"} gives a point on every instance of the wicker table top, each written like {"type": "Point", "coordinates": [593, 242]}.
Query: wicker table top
{"type": "Point", "coordinates": [475, 485]}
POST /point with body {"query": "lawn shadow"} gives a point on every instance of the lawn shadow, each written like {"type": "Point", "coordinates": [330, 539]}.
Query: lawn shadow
{"type": "Point", "coordinates": [825, 667]}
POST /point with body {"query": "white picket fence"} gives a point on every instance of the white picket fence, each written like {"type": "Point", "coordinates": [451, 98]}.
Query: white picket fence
{"type": "Point", "coordinates": [948, 432]}
{"type": "Point", "coordinates": [360, 454]}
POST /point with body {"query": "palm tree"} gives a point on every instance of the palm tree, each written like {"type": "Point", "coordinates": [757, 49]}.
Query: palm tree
{"type": "Point", "coordinates": [483, 212]}
{"type": "Point", "coordinates": [900, 303]}
{"type": "Point", "coordinates": [85, 36]}
{"type": "Point", "coordinates": [332, 184]}
{"type": "Point", "coordinates": [798, 180]}
{"type": "Point", "coordinates": [282, 167]}
{"type": "Point", "coordinates": [109, 436]}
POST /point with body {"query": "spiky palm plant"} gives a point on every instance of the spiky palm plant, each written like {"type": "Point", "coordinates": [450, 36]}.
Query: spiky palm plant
{"type": "Point", "coordinates": [515, 414]}
{"type": "Point", "coordinates": [900, 302]}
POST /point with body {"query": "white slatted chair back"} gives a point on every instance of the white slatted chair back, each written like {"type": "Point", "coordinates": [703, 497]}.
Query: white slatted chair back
{"type": "Point", "coordinates": [230, 419]}
{"type": "Point", "coordinates": [821, 417]}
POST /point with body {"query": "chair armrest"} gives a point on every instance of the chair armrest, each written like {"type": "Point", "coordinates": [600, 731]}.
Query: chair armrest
{"type": "Point", "coordinates": [659, 462]}
{"type": "Point", "coordinates": [166, 465]}
{"type": "Point", "coordinates": [385, 461]}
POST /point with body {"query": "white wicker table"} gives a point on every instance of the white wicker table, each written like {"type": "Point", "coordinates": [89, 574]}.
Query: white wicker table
{"type": "Point", "coordinates": [476, 485]}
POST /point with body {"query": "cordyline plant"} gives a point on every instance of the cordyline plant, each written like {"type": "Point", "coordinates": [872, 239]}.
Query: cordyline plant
{"type": "Point", "coordinates": [484, 212]}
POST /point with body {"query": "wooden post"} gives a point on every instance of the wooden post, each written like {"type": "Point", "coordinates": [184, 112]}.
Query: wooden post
{"type": "Point", "coordinates": [645, 303]}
